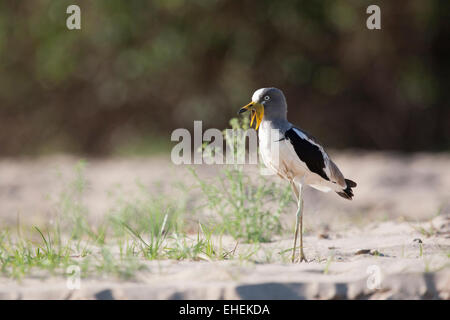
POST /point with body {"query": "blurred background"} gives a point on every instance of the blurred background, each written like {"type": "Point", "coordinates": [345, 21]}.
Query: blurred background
{"type": "Point", "coordinates": [139, 69]}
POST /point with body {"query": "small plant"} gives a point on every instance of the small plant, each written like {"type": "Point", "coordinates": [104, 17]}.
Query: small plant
{"type": "Point", "coordinates": [71, 210]}
{"type": "Point", "coordinates": [151, 248]}
{"type": "Point", "coordinates": [328, 264]}
{"type": "Point", "coordinates": [146, 212]}
{"type": "Point", "coordinates": [420, 245]}
{"type": "Point", "coordinates": [243, 204]}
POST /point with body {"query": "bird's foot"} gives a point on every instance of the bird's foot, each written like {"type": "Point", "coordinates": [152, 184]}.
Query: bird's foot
{"type": "Point", "coordinates": [302, 257]}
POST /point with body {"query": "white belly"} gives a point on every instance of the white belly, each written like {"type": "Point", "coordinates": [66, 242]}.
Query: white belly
{"type": "Point", "coordinates": [276, 155]}
{"type": "Point", "coordinates": [279, 155]}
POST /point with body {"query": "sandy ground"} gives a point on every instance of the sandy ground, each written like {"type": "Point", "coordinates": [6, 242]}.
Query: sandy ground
{"type": "Point", "coordinates": [390, 186]}
{"type": "Point", "coordinates": [351, 244]}
{"type": "Point", "coordinates": [380, 261]}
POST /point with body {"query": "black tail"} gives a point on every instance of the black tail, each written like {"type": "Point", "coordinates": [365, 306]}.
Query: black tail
{"type": "Point", "coordinates": [347, 193]}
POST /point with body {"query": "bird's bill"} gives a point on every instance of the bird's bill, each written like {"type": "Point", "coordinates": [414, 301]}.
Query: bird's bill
{"type": "Point", "coordinates": [257, 110]}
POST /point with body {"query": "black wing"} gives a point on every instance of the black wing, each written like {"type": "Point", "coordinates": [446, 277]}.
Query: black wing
{"type": "Point", "coordinates": [308, 152]}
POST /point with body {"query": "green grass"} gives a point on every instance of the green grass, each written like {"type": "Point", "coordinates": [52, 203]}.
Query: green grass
{"type": "Point", "coordinates": [326, 270]}
{"type": "Point", "coordinates": [145, 225]}
{"type": "Point", "coordinates": [120, 256]}
{"type": "Point", "coordinates": [134, 230]}
{"type": "Point", "coordinates": [240, 201]}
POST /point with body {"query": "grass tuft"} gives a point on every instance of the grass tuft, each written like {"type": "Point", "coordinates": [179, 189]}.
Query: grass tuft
{"type": "Point", "coordinates": [240, 201]}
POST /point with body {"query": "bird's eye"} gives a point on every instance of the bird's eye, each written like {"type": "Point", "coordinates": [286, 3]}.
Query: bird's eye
{"type": "Point", "coordinates": [267, 98]}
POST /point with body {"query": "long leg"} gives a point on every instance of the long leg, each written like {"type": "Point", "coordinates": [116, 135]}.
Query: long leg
{"type": "Point", "coordinates": [297, 197]}
{"type": "Point", "coordinates": [294, 190]}
{"type": "Point", "coordinates": [300, 210]}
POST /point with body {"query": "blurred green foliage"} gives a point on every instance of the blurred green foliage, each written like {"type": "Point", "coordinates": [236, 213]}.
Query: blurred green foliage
{"type": "Point", "coordinates": [141, 68]}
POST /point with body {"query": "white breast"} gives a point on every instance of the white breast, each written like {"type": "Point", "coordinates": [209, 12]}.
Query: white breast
{"type": "Point", "coordinates": [278, 154]}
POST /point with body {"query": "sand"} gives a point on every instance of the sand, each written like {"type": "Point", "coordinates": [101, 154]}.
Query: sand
{"type": "Point", "coordinates": [351, 245]}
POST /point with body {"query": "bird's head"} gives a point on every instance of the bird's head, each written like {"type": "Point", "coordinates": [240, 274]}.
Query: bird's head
{"type": "Point", "coordinates": [266, 102]}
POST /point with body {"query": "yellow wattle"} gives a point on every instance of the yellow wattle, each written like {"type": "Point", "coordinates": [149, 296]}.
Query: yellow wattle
{"type": "Point", "coordinates": [259, 115]}
{"type": "Point", "coordinates": [253, 117]}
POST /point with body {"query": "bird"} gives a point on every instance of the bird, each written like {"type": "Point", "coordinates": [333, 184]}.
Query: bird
{"type": "Point", "coordinates": [293, 154]}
